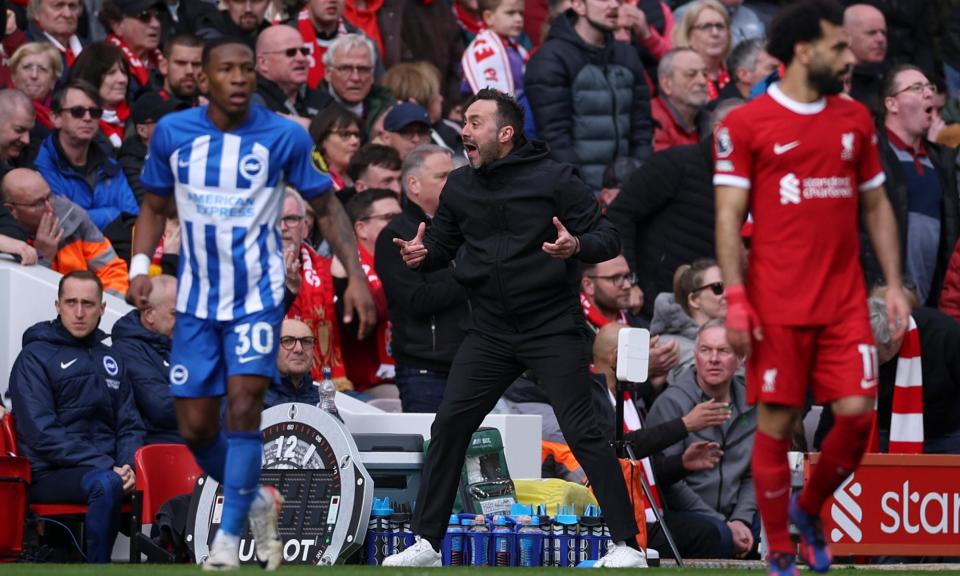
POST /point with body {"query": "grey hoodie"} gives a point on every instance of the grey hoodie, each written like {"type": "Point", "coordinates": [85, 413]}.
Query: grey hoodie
{"type": "Point", "coordinates": [725, 492]}
{"type": "Point", "coordinates": [671, 323]}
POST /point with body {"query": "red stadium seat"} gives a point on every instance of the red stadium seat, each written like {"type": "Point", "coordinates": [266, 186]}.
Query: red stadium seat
{"type": "Point", "coordinates": [14, 479]}
{"type": "Point", "coordinates": [163, 471]}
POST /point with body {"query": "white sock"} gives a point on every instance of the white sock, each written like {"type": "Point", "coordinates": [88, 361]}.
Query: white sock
{"type": "Point", "coordinates": [260, 500]}
{"type": "Point", "coordinates": [226, 539]}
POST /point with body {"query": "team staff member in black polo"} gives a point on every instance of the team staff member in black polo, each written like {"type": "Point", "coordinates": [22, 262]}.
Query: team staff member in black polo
{"type": "Point", "coordinates": [523, 220]}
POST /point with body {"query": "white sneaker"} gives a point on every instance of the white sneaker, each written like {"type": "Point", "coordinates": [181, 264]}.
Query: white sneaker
{"type": "Point", "coordinates": [224, 555]}
{"type": "Point", "coordinates": [622, 556]}
{"type": "Point", "coordinates": [421, 554]}
{"type": "Point", "coordinates": [264, 513]}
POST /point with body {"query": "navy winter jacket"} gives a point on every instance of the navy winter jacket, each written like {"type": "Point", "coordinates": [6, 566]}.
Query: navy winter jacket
{"type": "Point", "coordinates": [73, 402]}
{"type": "Point", "coordinates": [146, 357]}
{"type": "Point", "coordinates": [284, 391]}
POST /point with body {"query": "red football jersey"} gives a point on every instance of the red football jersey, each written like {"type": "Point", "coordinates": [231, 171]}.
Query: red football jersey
{"type": "Point", "coordinates": [804, 164]}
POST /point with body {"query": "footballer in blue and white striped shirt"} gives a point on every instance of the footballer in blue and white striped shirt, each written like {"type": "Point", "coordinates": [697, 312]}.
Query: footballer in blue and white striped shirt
{"type": "Point", "coordinates": [226, 165]}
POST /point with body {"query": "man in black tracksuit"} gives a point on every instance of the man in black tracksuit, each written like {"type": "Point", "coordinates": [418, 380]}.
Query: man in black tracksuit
{"type": "Point", "coordinates": [524, 221]}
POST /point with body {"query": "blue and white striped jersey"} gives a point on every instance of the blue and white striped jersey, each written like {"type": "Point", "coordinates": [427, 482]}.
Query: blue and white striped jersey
{"type": "Point", "coordinates": [229, 194]}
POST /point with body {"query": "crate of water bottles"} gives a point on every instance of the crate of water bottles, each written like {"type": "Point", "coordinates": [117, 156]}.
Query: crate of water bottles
{"type": "Point", "coordinates": [388, 531]}
{"type": "Point", "coordinates": [525, 538]}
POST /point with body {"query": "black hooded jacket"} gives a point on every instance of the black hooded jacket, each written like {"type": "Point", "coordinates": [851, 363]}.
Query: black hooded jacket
{"type": "Point", "coordinates": [502, 214]}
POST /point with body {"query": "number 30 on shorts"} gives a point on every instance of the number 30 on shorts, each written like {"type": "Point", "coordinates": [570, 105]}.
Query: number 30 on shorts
{"type": "Point", "coordinates": [259, 337]}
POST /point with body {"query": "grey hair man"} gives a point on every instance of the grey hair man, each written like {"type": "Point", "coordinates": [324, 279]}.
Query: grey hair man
{"type": "Point", "coordinates": [748, 63]}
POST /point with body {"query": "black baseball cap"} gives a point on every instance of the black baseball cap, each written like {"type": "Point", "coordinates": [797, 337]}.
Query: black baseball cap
{"type": "Point", "coordinates": [134, 8]}
{"type": "Point", "coordinates": [151, 106]}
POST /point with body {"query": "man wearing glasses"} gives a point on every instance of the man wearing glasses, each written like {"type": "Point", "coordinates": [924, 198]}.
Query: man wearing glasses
{"type": "Point", "coordinates": [294, 360]}
{"type": "Point", "coordinates": [60, 232]}
{"type": "Point", "coordinates": [283, 63]}
{"type": "Point", "coordinates": [348, 78]}
{"type": "Point", "coordinates": [921, 175]}
{"type": "Point", "coordinates": [135, 27]}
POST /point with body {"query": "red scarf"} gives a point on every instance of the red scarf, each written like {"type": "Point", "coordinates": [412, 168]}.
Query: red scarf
{"type": "Point", "coordinates": [135, 66]}
{"type": "Point", "coordinates": [366, 20]}
{"type": "Point", "coordinates": [595, 318]}
{"type": "Point", "coordinates": [318, 46]}
{"type": "Point", "coordinates": [715, 86]}
{"type": "Point", "coordinates": [113, 121]}
{"type": "Point", "coordinates": [314, 306]}
{"type": "Point", "coordinates": [367, 367]}
{"type": "Point", "coordinates": [44, 115]}
{"type": "Point", "coordinates": [465, 20]}
{"type": "Point", "coordinates": [906, 412]}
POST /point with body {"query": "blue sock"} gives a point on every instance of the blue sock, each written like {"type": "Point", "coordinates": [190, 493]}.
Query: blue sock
{"type": "Point", "coordinates": [212, 457]}
{"type": "Point", "coordinates": [240, 479]}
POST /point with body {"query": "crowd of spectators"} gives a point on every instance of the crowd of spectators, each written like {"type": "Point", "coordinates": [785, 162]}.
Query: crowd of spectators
{"type": "Point", "coordinates": [628, 92]}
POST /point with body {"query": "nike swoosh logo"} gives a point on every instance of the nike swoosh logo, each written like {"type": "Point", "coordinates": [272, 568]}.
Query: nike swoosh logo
{"type": "Point", "coordinates": [65, 365]}
{"type": "Point", "coordinates": [779, 149]}
{"type": "Point", "coordinates": [245, 359]}
{"type": "Point", "coordinates": [866, 385]}
{"type": "Point", "coordinates": [166, 364]}
{"type": "Point", "coordinates": [183, 163]}
{"type": "Point", "coordinates": [775, 494]}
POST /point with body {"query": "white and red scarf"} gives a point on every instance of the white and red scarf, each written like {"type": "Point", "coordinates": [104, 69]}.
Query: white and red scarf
{"type": "Point", "coordinates": [595, 317]}
{"type": "Point", "coordinates": [906, 413]}
{"type": "Point", "coordinates": [71, 51]}
{"type": "Point", "coordinates": [113, 121]}
{"type": "Point", "coordinates": [318, 46]}
{"type": "Point", "coordinates": [136, 67]}
{"type": "Point", "coordinates": [486, 63]}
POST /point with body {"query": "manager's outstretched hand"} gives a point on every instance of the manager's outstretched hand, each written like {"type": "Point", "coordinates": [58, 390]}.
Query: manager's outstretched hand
{"type": "Point", "coordinates": [567, 244]}
{"type": "Point", "coordinates": [413, 251]}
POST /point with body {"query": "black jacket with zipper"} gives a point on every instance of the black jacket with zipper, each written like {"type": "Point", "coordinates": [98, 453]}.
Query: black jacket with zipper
{"type": "Point", "coordinates": [502, 214]}
{"type": "Point", "coordinates": [426, 310]}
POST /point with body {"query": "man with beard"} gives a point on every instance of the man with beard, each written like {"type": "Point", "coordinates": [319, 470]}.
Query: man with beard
{"type": "Point", "coordinates": [589, 93]}
{"type": "Point", "coordinates": [523, 223]}
{"type": "Point", "coordinates": [678, 109]}
{"type": "Point", "coordinates": [180, 67]}
{"type": "Point", "coordinates": [242, 19]}
{"type": "Point", "coordinates": [804, 162]}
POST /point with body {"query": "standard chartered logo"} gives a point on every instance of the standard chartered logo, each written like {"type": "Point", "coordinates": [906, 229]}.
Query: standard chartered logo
{"type": "Point", "coordinates": [790, 189]}
{"type": "Point", "coordinates": [845, 512]}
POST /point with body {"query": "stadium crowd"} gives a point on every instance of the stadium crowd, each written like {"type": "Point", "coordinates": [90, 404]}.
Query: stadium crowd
{"type": "Point", "coordinates": [628, 92]}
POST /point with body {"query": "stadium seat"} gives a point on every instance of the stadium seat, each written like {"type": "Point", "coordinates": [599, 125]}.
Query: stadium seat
{"type": "Point", "coordinates": [163, 471]}
{"type": "Point", "coordinates": [14, 479]}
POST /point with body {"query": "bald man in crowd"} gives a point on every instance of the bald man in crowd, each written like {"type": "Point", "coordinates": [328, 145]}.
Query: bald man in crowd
{"type": "Point", "coordinates": [142, 339]}
{"type": "Point", "coordinates": [866, 29]}
{"type": "Point", "coordinates": [283, 64]}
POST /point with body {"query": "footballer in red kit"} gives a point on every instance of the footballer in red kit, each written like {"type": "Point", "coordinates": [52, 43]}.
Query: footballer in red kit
{"type": "Point", "coordinates": [804, 163]}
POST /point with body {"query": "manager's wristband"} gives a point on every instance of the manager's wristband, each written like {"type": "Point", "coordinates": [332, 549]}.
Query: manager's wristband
{"type": "Point", "coordinates": [139, 265]}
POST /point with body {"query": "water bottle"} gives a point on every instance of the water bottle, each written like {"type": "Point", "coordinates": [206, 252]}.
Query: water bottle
{"type": "Point", "coordinates": [530, 541]}
{"type": "Point", "coordinates": [328, 395]}
{"type": "Point", "coordinates": [378, 531]}
{"type": "Point", "coordinates": [401, 532]}
{"type": "Point", "coordinates": [565, 537]}
{"type": "Point", "coordinates": [453, 543]}
{"type": "Point", "coordinates": [502, 542]}
{"type": "Point", "coordinates": [479, 541]}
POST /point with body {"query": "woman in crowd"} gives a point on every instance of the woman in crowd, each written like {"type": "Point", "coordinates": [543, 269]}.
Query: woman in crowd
{"type": "Point", "coordinates": [102, 65]}
{"type": "Point", "coordinates": [337, 134]}
{"type": "Point", "coordinates": [698, 296]}
{"type": "Point", "coordinates": [705, 27]}
{"type": "Point", "coordinates": [419, 82]}
{"type": "Point", "coordinates": [34, 69]}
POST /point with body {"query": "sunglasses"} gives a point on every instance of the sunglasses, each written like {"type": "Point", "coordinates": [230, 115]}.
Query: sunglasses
{"type": "Point", "coordinates": [715, 287]}
{"type": "Point", "coordinates": [290, 52]}
{"type": "Point", "coordinates": [79, 112]}
{"type": "Point", "coordinates": [147, 15]}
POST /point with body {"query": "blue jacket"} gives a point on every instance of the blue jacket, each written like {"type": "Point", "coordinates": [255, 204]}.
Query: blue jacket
{"type": "Point", "coordinates": [105, 199]}
{"type": "Point", "coordinates": [146, 356]}
{"type": "Point", "coordinates": [73, 402]}
{"type": "Point", "coordinates": [284, 391]}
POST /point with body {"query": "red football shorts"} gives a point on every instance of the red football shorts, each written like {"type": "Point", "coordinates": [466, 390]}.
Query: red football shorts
{"type": "Point", "coordinates": [839, 360]}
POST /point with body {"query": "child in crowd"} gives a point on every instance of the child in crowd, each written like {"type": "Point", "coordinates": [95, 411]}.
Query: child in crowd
{"type": "Point", "coordinates": [497, 56]}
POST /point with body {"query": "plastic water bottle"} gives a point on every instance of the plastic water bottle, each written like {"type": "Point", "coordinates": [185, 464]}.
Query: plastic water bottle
{"type": "Point", "coordinates": [453, 543]}
{"type": "Point", "coordinates": [378, 531]}
{"type": "Point", "coordinates": [402, 534]}
{"type": "Point", "coordinates": [479, 541]}
{"type": "Point", "coordinates": [502, 536]}
{"type": "Point", "coordinates": [530, 541]}
{"type": "Point", "coordinates": [328, 395]}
